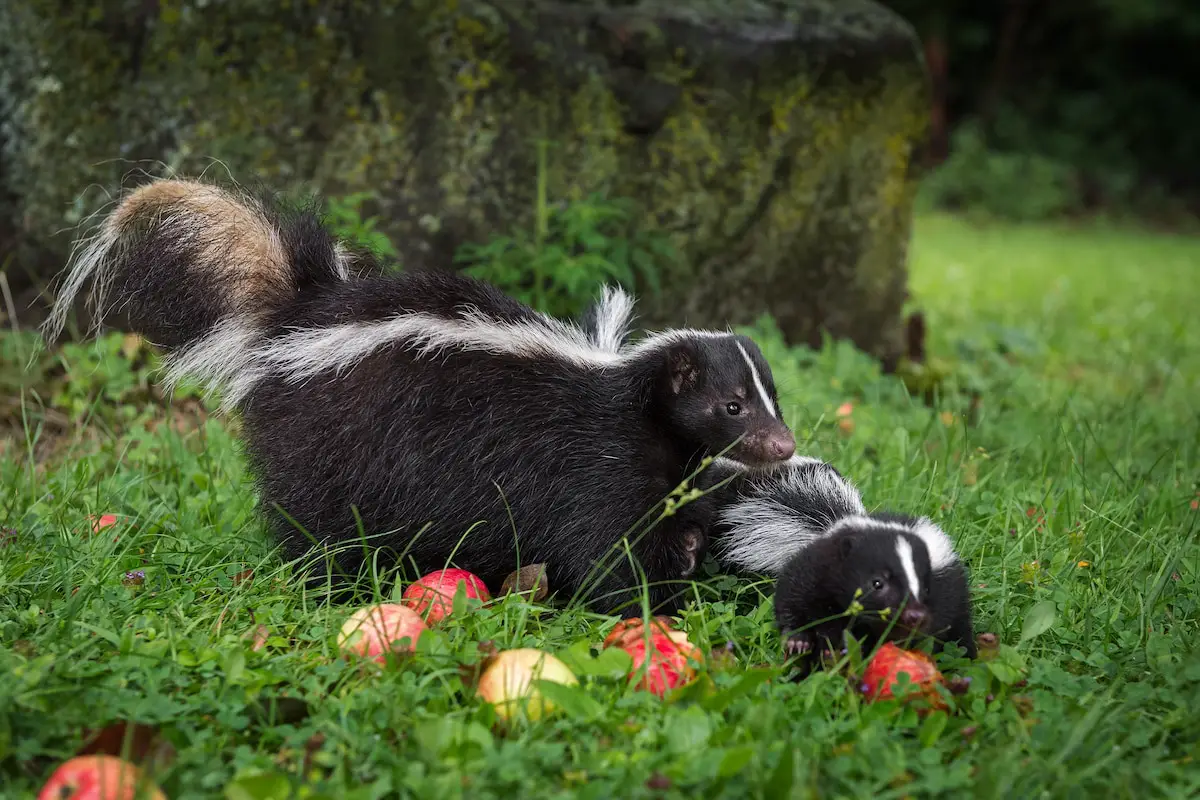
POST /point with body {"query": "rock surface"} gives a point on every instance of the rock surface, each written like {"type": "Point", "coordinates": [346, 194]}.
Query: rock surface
{"type": "Point", "coordinates": [773, 140]}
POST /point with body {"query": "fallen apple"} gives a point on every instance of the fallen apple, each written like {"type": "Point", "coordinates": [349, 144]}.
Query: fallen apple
{"type": "Point", "coordinates": [669, 656]}
{"type": "Point", "coordinates": [668, 651]}
{"type": "Point", "coordinates": [635, 628]}
{"type": "Point", "coordinates": [101, 522]}
{"type": "Point", "coordinates": [373, 631]}
{"type": "Point", "coordinates": [433, 595]}
{"type": "Point", "coordinates": [507, 683]}
{"type": "Point", "coordinates": [99, 777]}
{"type": "Point", "coordinates": [889, 662]}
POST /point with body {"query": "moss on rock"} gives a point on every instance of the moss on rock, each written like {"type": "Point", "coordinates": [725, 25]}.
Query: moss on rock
{"type": "Point", "coordinates": [772, 139]}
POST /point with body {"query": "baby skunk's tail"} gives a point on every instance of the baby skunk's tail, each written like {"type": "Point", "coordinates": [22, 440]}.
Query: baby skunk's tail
{"type": "Point", "coordinates": [196, 268]}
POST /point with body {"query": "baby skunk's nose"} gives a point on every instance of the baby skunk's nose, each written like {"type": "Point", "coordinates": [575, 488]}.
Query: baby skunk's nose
{"type": "Point", "coordinates": [914, 618]}
{"type": "Point", "coordinates": [782, 445]}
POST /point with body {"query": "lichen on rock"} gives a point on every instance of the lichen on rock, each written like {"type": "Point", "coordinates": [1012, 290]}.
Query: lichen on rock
{"type": "Point", "coordinates": [772, 140]}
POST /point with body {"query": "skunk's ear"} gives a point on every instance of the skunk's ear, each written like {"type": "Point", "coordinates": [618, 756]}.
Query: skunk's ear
{"type": "Point", "coordinates": [846, 546]}
{"type": "Point", "coordinates": [683, 367]}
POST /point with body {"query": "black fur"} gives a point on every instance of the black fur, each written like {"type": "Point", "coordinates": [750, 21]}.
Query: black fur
{"type": "Point", "coordinates": [554, 460]}
{"type": "Point", "coordinates": [810, 520]}
{"type": "Point", "coordinates": [859, 564]}
{"type": "Point", "coordinates": [525, 459]}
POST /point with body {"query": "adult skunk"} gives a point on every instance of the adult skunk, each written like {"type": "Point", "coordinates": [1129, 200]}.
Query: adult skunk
{"type": "Point", "coordinates": [806, 524]}
{"type": "Point", "coordinates": [458, 424]}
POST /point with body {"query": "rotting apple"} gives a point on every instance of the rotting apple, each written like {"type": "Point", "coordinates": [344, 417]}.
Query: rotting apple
{"type": "Point", "coordinates": [432, 596]}
{"type": "Point", "coordinates": [635, 628]}
{"type": "Point", "coordinates": [670, 657]}
{"type": "Point", "coordinates": [373, 631]}
{"type": "Point", "coordinates": [99, 777]}
{"type": "Point", "coordinates": [668, 651]}
{"type": "Point", "coordinates": [889, 662]}
{"type": "Point", "coordinates": [507, 683]}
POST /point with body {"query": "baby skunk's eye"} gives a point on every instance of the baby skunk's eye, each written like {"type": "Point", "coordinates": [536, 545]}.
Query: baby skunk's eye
{"type": "Point", "coordinates": [876, 584]}
{"type": "Point", "coordinates": [733, 409]}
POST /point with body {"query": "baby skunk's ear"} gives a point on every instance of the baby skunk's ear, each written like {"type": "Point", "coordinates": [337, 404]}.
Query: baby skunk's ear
{"type": "Point", "coordinates": [846, 545]}
{"type": "Point", "coordinates": [683, 367]}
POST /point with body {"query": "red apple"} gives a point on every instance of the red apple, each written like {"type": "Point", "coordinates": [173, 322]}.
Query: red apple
{"type": "Point", "coordinates": [507, 682]}
{"type": "Point", "coordinates": [373, 631]}
{"type": "Point", "coordinates": [669, 658]}
{"type": "Point", "coordinates": [635, 627]}
{"type": "Point", "coordinates": [668, 651]}
{"type": "Point", "coordinates": [101, 522]}
{"type": "Point", "coordinates": [99, 777]}
{"type": "Point", "coordinates": [433, 595]}
{"type": "Point", "coordinates": [889, 662]}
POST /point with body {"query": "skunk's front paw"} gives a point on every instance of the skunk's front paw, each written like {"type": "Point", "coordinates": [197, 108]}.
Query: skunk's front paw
{"type": "Point", "coordinates": [800, 644]}
{"type": "Point", "coordinates": [693, 544]}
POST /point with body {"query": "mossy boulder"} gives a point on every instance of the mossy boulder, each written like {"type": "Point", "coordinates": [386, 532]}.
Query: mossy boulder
{"type": "Point", "coordinates": [773, 140]}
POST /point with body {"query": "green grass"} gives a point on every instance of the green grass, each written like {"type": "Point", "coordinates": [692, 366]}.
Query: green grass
{"type": "Point", "coordinates": [1069, 489]}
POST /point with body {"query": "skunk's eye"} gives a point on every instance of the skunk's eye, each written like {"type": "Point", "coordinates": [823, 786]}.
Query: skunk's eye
{"type": "Point", "coordinates": [733, 408]}
{"type": "Point", "coordinates": [876, 584]}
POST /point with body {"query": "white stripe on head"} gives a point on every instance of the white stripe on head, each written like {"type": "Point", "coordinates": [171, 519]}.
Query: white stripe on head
{"type": "Point", "coordinates": [905, 554]}
{"type": "Point", "coordinates": [864, 521]}
{"type": "Point", "coordinates": [664, 339]}
{"type": "Point", "coordinates": [941, 549]}
{"type": "Point", "coordinates": [758, 384]}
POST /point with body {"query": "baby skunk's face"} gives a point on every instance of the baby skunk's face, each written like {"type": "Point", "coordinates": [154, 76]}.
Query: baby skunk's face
{"type": "Point", "coordinates": [893, 573]}
{"type": "Point", "coordinates": [725, 392]}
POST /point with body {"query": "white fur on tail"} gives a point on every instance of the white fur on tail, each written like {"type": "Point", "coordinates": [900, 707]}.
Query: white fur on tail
{"type": "Point", "coordinates": [227, 237]}
{"type": "Point", "coordinates": [762, 533]}
{"type": "Point", "coordinates": [86, 262]}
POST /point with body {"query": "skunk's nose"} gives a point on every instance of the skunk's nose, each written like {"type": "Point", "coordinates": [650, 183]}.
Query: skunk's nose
{"type": "Point", "coordinates": [782, 445]}
{"type": "Point", "coordinates": [914, 618]}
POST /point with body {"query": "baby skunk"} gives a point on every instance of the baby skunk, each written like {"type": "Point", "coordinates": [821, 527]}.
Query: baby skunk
{"type": "Point", "coordinates": [806, 524]}
{"type": "Point", "coordinates": [458, 425]}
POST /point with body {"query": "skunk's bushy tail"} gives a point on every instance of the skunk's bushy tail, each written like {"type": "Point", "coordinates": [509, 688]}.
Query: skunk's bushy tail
{"type": "Point", "coordinates": [195, 268]}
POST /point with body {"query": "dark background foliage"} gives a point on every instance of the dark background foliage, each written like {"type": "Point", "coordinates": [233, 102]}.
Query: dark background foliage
{"type": "Point", "coordinates": [1044, 108]}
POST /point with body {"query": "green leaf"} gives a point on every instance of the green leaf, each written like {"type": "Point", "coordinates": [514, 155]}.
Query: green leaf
{"type": "Point", "coordinates": [613, 662]}
{"type": "Point", "coordinates": [573, 700]}
{"type": "Point", "coordinates": [747, 683]}
{"type": "Point", "coordinates": [1004, 672]}
{"type": "Point", "coordinates": [578, 657]}
{"type": "Point", "coordinates": [689, 731]}
{"type": "Point", "coordinates": [932, 728]}
{"type": "Point", "coordinates": [735, 760]}
{"type": "Point", "coordinates": [784, 774]}
{"type": "Point", "coordinates": [235, 665]}
{"type": "Point", "coordinates": [1039, 619]}
{"type": "Point", "coordinates": [264, 786]}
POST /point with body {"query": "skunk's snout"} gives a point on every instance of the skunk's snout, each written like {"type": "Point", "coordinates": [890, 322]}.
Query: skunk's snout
{"type": "Point", "coordinates": [782, 445]}
{"type": "Point", "coordinates": [914, 618]}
